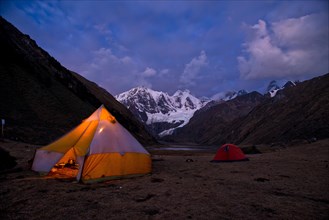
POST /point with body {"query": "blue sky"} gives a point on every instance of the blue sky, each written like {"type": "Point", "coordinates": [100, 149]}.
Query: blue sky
{"type": "Point", "coordinates": [207, 47]}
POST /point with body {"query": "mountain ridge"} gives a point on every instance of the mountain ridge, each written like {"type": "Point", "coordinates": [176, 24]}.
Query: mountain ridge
{"type": "Point", "coordinates": [160, 111]}
{"type": "Point", "coordinates": [163, 113]}
{"type": "Point", "coordinates": [211, 119]}
{"type": "Point", "coordinates": [299, 111]}
{"type": "Point", "coordinates": [296, 112]}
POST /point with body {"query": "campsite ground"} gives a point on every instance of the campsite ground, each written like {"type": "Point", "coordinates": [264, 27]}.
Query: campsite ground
{"type": "Point", "coordinates": [287, 182]}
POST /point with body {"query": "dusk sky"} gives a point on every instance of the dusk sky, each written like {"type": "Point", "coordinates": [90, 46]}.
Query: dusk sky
{"type": "Point", "coordinates": [207, 47]}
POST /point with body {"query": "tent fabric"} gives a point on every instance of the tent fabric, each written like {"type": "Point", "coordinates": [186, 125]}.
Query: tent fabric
{"type": "Point", "coordinates": [229, 153]}
{"type": "Point", "coordinates": [114, 165]}
{"type": "Point", "coordinates": [102, 147]}
{"type": "Point", "coordinates": [63, 144]}
{"type": "Point", "coordinates": [45, 160]}
{"type": "Point", "coordinates": [115, 142]}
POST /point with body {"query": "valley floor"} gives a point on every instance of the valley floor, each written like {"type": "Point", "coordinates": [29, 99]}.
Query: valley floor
{"type": "Point", "coordinates": [286, 183]}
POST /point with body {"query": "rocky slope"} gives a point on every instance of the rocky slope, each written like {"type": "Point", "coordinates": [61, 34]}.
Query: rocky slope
{"type": "Point", "coordinates": [214, 119]}
{"type": "Point", "coordinates": [161, 112]}
{"type": "Point", "coordinates": [297, 111]}
{"type": "Point", "coordinates": [41, 100]}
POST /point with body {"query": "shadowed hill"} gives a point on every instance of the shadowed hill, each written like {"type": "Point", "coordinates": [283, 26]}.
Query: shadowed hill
{"type": "Point", "coordinates": [300, 112]}
{"type": "Point", "coordinates": [41, 100]}
{"type": "Point", "coordinates": [209, 122]}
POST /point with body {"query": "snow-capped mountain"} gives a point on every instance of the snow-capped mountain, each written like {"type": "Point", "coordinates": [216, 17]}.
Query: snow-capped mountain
{"type": "Point", "coordinates": [161, 112]}
{"type": "Point", "coordinates": [274, 87]}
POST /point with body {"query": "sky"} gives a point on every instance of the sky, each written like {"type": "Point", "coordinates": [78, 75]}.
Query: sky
{"type": "Point", "coordinates": [207, 47]}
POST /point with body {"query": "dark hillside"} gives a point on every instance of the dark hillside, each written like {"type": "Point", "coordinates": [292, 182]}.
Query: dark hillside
{"type": "Point", "coordinates": [41, 100]}
{"type": "Point", "coordinates": [296, 112]}
{"type": "Point", "coordinates": [300, 112]}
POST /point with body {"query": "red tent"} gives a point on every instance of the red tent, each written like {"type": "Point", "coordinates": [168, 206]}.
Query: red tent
{"type": "Point", "coordinates": [229, 153]}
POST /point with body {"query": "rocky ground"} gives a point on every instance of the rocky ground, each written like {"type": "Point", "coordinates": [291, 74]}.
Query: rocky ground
{"type": "Point", "coordinates": [284, 182]}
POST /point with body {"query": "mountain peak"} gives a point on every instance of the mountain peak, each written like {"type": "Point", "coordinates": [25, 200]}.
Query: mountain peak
{"type": "Point", "coordinates": [180, 92]}
{"type": "Point", "coordinates": [139, 88]}
{"type": "Point", "coordinates": [160, 110]}
{"type": "Point", "coordinates": [274, 87]}
{"type": "Point", "coordinates": [289, 84]}
{"type": "Point", "coordinates": [242, 92]}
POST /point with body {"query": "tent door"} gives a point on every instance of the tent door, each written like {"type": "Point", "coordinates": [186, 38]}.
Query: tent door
{"type": "Point", "coordinates": [67, 167]}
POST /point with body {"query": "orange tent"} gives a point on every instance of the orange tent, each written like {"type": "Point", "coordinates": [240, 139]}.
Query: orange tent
{"type": "Point", "coordinates": [229, 153]}
{"type": "Point", "coordinates": [102, 148]}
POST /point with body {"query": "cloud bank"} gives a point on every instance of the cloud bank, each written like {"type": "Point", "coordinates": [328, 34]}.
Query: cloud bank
{"type": "Point", "coordinates": [193, 69]}
{"type": "Point", "coordinates": [287, 48]}
{"type": "Point", "coordinates": [172, 45]}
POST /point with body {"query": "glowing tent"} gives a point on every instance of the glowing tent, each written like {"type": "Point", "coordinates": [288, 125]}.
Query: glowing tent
{"type": "Point", "coordinates": [102, 148]}
{"type": "Point", "coordinates": [229, 153]}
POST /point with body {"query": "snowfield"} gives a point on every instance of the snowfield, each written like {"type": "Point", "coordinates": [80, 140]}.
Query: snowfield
{"type": "Point", "coordinates": [161, 107]}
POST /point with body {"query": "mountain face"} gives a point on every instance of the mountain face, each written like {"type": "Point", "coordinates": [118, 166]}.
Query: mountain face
{"type": "Point", "coordinates": [41, 100]}
{"type": "Point", "coordinates": [161, 112]}
{"type": "Point", "coordinates": [297, 111]}
{"type": "Point", "coordinates": [213, 119]}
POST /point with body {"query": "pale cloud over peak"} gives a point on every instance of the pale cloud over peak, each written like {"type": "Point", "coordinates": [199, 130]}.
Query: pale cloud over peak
{"type": "Point", "coordinates": [108, 69]}
{"type": "Point", "coordinates": [148, 72]}
{"type": "Point", "coordinates": [286, 49]}
{"type": "Point", "coordinates": [303, 31]}
{"type": "Point", "coordinates": [193, 69]}
{"type": "Point", "coordinates": [144, 78]}
{"type": "Point", "coordinates": [260, 28]}
{"type": "Point", "coordinates": [105, 55]}
{"type": "Point", "coordinates": [164, 72]}
{"type": "Point", "coordinates": [102, 28]}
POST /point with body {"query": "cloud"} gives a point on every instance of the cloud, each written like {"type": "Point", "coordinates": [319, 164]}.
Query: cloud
{"type": "Point", "coordinates": [193, 69]}
{"type": "Point", "coordinates": [218, 96]}
{"type": "Point", "coordinates": [110, 70]}
{"type": "Point", "coordinates": [164, 72]}
{"type": "Point", "coordinates": [103, 29]}
{"type": "Point", "coordinates": [148, 72]}
{"type": "Point", "coordinates": [143, 82]}
{"type": "Point", "coordinates": [112, 43]}
{"type": "Point", "coordinates": [143, 78]}
{"type": "Point", "coordinates": [104, 59]}
{"type": "Point", "coordinates": [286, 49]}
